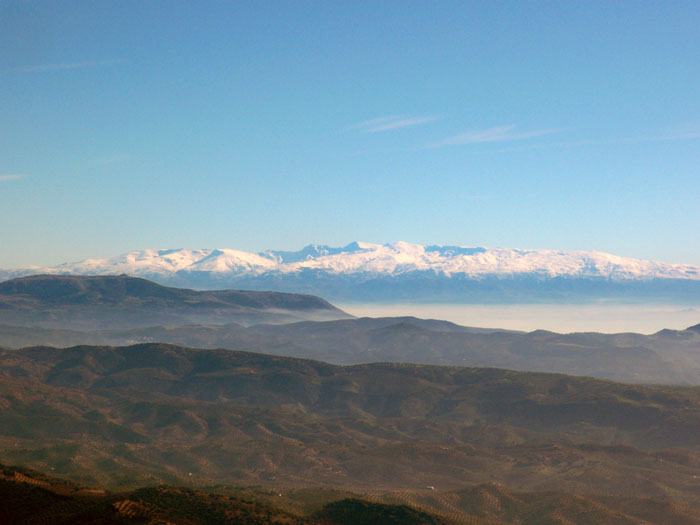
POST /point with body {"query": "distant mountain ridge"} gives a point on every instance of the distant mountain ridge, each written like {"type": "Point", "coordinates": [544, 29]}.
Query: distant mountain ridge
{"type": "Point", "coordinates": [90, 302]}
{"type": "Point", "coordinates": [667, 357]}
{"type": "Point", "coordinates": [404, 271]}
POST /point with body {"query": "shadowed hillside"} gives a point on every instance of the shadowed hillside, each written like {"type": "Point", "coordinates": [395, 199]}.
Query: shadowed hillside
{"type": "Point", "coordinates": [121, 310]}
{"type": "Point", "coordinates": [90, 302]}
{"type": "Point", "coordinates": [669, 356]}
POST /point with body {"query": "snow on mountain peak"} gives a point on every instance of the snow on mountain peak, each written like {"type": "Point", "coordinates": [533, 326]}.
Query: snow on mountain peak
{"type": "Point", "coordinates": [376, 259]}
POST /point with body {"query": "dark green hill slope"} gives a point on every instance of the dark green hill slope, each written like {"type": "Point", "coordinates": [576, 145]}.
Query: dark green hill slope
{"type": "Point", "coordinates": [358, 512]}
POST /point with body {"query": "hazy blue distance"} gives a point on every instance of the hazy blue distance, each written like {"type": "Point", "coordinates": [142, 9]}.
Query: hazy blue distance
{"type": "Point", "coordinates": [568, 125]}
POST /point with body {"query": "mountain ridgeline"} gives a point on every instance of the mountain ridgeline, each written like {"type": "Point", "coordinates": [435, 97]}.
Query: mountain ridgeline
{"type": "Point", "coordinates": [119, 310]}
{"type": "Point", "coordinates": [91, 302]}
{"type": "Point", "coordinates": [402, 271]}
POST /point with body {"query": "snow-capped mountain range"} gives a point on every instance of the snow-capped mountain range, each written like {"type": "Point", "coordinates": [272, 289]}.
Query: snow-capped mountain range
{"type": "Point", "coordinates": [400, 270]}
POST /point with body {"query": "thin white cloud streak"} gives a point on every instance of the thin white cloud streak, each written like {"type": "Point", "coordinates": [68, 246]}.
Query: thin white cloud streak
{"type": "Point", "coordinates": [676, 134]}
{"type": "Point", "coordinates": [403, 123]}
{"type": "Point", "coordinates": [496, 134]}
{"type": "Point", "coordinates": [679, 136]}
{"type": "Point", "coordinates": [63, 66]}
{"type": "Point", "coordinates": [686, 131]}
{"type": "Point", "coordinates": [374, 122]}
{"type": "Point", "coordinates": [378, 125]}
{"type": "Point", "coordinates": [11, 176]}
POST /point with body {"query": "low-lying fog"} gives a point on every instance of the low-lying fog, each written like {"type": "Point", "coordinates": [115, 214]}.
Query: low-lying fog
{"type": "Point", "coordinates": [610, 318]}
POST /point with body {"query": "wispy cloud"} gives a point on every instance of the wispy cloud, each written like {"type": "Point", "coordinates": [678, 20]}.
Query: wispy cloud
{"type": "Point", "coordinates": [686, 131]}
{"type": "Point", "coordinates": [6, 177]}
{"type": "Point", "coordinates": [392, 122]}
{"type": "Point", "coordinates": [114, 159]}
{"type": "Point", "coordinates": [61, 66]}
{"type": "Point", "coordinates": [496, 134]}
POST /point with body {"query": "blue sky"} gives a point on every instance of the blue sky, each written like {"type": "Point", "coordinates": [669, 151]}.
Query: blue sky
{"type": "Point", "coordinates": [254, 125]}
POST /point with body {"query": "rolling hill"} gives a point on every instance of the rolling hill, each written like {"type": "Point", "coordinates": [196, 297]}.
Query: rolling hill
{"type": "Point", "coordinates": [669, 356]}
{"type": "Point", "coordinates": [152, 414]}
{"type": "Point", "coordinates": [90, 302]}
